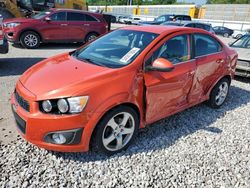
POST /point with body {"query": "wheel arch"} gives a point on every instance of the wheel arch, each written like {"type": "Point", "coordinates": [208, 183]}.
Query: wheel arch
{"type": "Point", "coordinates": [95, 32]}
{"type": "Point", "coordinates": [228, 77]}
{"type": "Point", "coordinates": [30, 29]}
{"type": "Point", "coordinates": [127, 104]}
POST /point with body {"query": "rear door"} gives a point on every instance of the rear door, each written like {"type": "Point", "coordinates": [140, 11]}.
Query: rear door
{"type": "Point", "coordinates": [77, 27]}
{"type": "Point", "coordinates": [55, 29]}
{"type": "Point", "coordinates": [167, 92]}
{"type": "Point", "coordinates": [210, 60]}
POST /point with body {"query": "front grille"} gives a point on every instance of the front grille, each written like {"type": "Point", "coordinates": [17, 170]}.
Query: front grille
{"type": "Point", "coordinates": [22, 102]}
{"type": "Point", "coordinates": [243, 63]}
{"type": "Point", "coordinates": [21, 124]}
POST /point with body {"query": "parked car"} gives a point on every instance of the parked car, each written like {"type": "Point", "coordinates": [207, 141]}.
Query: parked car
{"type": "Point", "coordinates": [224, 31]}
{"type": "Point", "coordinates": [55, 25]}
{"type": "Point", "coordinates": [164, 18]}
{"type": "Point", "coordinates": [4, 45]}
{"type": "Point", "coordinates": [132, 20]}
{"type": "Point", "coordinates": [101, 94]}
{"type": "Point", "coordinates": [123, 19]}
{"type": "Point", "coordinates": [239, 34]}
{"type": "Point", "coordinates": [242, 46]}
{"type": "Point", "coordinates": [193, 24]}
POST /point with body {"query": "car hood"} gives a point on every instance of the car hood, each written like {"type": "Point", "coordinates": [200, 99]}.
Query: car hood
{"type": "Point", "coordinates": [61, 76]}
{"type": "Point", "coordinates": [243, 53]}
{"type": "Point", "coordinates": [19, 20]}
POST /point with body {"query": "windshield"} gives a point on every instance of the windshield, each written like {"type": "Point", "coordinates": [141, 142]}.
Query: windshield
{"type": "Point", "coordinates": [116, 49]}
{"type": "Point", "coordinates": [164, 18]}
{"type": "Point", "coordinates": [243, 42]}
{"type": "Point", "coordinates": [41, 14]}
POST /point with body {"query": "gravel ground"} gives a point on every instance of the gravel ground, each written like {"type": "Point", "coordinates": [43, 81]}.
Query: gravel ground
{"type": "Point", "coordinates": [200, 147]}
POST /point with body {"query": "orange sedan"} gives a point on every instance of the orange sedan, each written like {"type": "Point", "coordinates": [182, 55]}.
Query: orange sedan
{"type": "Point", "coordinates": [101, 94]}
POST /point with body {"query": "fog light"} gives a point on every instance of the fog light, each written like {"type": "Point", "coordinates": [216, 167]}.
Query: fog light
{"type": "Point", "coordinates": [59, 138]}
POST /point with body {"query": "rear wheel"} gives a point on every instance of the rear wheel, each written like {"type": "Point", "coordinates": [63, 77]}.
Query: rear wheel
{"type": "Point", "coordinates": [30, 40]}
{"type": "Point", "coordinates": [219, 93]}
{"type": "Point", "coordinates": [226, 35]}
{"type": "Point", "coordinates": [116, 130]}
{"type": "Point", "coordinates": [91, 36]}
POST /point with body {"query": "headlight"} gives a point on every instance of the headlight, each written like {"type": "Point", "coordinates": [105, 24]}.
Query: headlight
{"type": "Point", "coordinates": [11, 25]}
{"type": "Point", "coordinates": [77, 104]}
{"type": "Point", "coordinates": [47, 107]}
{"type": "Point", "coordinates": [63, 106]}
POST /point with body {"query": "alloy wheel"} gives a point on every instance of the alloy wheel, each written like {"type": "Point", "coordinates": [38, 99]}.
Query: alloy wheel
{"type": "Point", "coordinates": [30, 40]}
{"type": "Point", "coordinates": [222, 93]}
{"type": "Point", "coordinates": [118, 131]}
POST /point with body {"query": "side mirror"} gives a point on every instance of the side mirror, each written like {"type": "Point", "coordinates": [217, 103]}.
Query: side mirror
{"type": "Point", "coordinates": [47, 19]}
{"type": "Point", "coordinates": [161, 65]}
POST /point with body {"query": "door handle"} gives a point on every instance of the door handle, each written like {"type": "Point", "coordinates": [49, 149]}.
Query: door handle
{"type": "Point", "coordinates": [86, 24]}
{"type": "Point", "coordinates": [64, 24]}
{"type": "Point", "coordinates": [220, 61]}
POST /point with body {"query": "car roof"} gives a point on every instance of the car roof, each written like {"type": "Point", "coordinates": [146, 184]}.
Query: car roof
{"type": "Point", "coordinates": [187, 22]}
{"type": "Point", "coordinates": [159, 29]}
{"type": "Point", "coordinates": [74, 10]}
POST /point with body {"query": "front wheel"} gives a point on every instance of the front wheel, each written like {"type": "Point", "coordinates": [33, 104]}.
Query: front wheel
{"type": "Point", "coordinates": [30, 40]}
{"type": "Point", "coordinates": [219, 93]}
{"type": "Point", "coordinates": [116, 130]}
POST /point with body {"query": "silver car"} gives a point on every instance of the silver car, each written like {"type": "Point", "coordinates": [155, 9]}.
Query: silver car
{"type": "Point", "coordinates": [242, 46]}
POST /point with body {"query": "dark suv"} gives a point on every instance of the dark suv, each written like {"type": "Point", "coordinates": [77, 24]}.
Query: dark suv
{"type": "Point", "coordinates": [165, 18]}
{"type": "Point", "coordinates": [55, 25]}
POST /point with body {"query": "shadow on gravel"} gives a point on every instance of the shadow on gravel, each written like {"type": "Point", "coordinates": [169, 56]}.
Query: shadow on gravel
{"type": "Point", "coordinates": [16, 66]}
{"type": "Point", "coordinates": [242, 79]}
{"type": "Point", "coordinates": [53, 46]}
{"type": "Point", "coordinates": [167, 132]}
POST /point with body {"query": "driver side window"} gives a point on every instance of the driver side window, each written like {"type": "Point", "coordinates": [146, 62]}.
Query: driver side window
{"type": "Point", "coordinates": [60, 16]}
{"type": "Point", "coordinates": [174, 50]}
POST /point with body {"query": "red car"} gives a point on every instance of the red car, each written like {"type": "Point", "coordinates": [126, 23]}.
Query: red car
{"type": "Point", "coordinates": [55, 25]}
{"type": "Point", "coordinates": [101, 94]}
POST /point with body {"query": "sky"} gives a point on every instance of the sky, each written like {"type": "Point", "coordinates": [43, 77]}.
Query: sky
{"type": "Point", "coordinates": [198, 2]}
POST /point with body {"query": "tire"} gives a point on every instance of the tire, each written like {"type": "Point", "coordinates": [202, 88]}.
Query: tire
{"type": "Point", "coordinates": [226, 35]}
{"type": "Point", "coordinates": [6, 14]}
{"type": "Point", "coordinates": [111, 130]}
{"type": "Point", "coordinates": [238, 36]}
{"type": "Point", "coordinates": [90, 37]}
{"type": "Point", "coordinates": [30, 40]}
{"type": "Point", "coordinates": [219, 94]}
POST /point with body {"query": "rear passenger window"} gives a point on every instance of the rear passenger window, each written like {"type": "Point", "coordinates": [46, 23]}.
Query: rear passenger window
{"type": "Point", "coordinates": [60, 16]}
{"type": "Point", "coordinates": [90, 18]}
{"type": "Point", "coordinates": [74, 16]}
{"type": "Point", "coordinates": [205, 45]}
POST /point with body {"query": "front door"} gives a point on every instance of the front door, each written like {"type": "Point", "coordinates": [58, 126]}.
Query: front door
{"type": "Point", "coordinates": [167, 92]}
{"type": "Point", "coordinates": [56, 28]}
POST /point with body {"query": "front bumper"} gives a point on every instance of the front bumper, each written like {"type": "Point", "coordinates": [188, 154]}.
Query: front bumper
{"type": "Point", "coordinates": [34, 126]}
